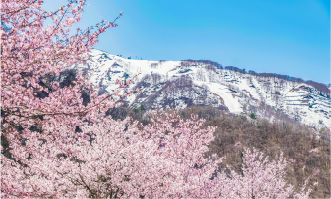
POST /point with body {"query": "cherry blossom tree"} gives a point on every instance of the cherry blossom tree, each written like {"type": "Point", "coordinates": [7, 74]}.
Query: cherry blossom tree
{"type": "Point", "coordinates": [117, 158]}
{"type": "Point", "coordinates": [33, 54]}
{"type": "Point", "coordinates": [36, 47]}
{"type": "Point", "coordinates": [54, 145]}
{"type": "Point", "coordinates": [260, 178]}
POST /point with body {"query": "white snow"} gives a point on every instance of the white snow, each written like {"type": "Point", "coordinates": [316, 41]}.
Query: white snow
{"type": "Point", "coordinates": [236, 91]}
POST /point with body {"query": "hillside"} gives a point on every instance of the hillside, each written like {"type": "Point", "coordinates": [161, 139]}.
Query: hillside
{"type": "Point", "coordinates": [180, 84]}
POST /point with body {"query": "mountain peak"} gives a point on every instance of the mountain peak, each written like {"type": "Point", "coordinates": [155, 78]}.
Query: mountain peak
{"type": "Point", "coordinates": [179, 84]}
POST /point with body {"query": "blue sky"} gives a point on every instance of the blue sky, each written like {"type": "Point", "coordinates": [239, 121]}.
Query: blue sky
{"type": "Point", "coordinates": [289, 37]}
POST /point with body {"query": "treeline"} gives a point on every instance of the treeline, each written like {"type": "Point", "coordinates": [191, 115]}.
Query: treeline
{"type": "Point", "coordinates": [318, 86]}
{"type": "Point", "coordinates": [189, 62]}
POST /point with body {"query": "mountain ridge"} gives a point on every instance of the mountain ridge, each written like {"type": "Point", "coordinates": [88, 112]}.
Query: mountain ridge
{"type": "Point", "coordinates": [178, 84]}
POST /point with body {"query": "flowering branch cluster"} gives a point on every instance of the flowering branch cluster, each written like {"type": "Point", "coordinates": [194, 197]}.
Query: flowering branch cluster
{"type": "Point", "coordinates": [33, 53]}
{"type": "Point", "coordinates": [123, 159]}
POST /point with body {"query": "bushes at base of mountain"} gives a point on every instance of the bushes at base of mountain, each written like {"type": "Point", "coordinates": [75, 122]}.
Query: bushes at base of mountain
{"type": "Point", "coordinates": [252, 115]}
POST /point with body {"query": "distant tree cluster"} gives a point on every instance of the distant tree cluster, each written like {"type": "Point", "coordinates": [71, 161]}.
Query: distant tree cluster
{"type": "Point", "coordinates": [189, 62]}
{"type": "Point", "coordinates": [252, 115]}
{"type": "Point", "coordinates": [318, 86]}
{"type": "Point", "coordinates": [235, 69]}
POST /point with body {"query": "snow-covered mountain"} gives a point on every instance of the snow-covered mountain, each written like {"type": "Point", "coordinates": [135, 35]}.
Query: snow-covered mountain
{"type": "Point", "coordinates": [185, 83]}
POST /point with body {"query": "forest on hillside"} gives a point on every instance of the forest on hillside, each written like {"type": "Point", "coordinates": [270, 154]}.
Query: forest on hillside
{"type": "Point", "coordinates": [308, 154]}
